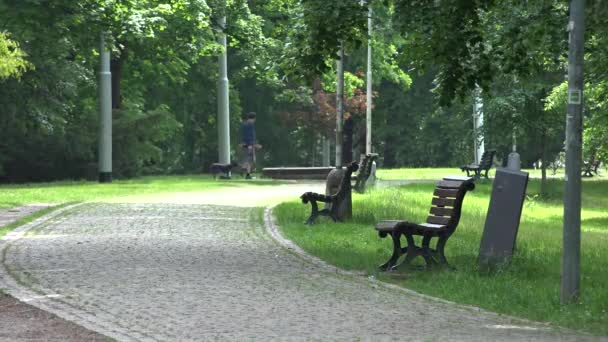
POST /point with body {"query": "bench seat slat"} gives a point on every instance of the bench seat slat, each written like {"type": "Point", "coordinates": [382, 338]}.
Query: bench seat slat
{"type": "Point", "coordinates": [387, 225]}
{"type": "Point", "coordinates": [445, 193]}
{"type": "Point", "coordinates": [444, 202]}
{"type": "Point", "coordinates": [433, 226]}
{"type": "Point", "coordinates": [449, 184]}
{"type": "Point", "coordinates": [437, 219]}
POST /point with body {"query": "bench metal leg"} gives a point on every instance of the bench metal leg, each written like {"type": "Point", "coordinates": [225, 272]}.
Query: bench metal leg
{"type": "Point", "coordinates": [411, 251]}
{"type": "Point", "coordinates": [397, 252]}
{"type": "Point", "coordinates": [426, 251]}
{"type": "Point", "coordinates": [432, 257]}
{"type": "Point", "coordinates": [440, 251]}
{"type": "Point", "coordinates": [477, 174]}
{"type": "Point", "coordinates": [315, 212]}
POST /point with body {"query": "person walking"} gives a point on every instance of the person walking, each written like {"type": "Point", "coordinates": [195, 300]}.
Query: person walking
{"type": "Point", "coordinates": [248, 142]}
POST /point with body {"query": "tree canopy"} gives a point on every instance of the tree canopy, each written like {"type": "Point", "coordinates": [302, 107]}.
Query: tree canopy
{"type": "Point", "coordinates": [428, 58]}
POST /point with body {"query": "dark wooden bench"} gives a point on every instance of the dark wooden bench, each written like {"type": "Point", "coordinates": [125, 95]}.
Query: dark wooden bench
{"type": "Point", "coordinates": [365, 170]}
{"type": "Point", "coordinates": [589, 168]}
{"type": "Point", "coordinates": [484, 165]}
{"type": "Point", "coordinates": [441, 223]}
{"type": "Point", "coordinates": [333, 201]}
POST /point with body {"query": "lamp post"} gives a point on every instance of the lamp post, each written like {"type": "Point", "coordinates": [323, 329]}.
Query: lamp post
{"type": "Point", "coordinates": [339, 107]}
{"type": "Point", "coordinates": [570, 286]}
{"type": "Point", "coordinates": [105, 114]}
{"type": "Point", "coordinates": [368, 112]}
{"type": "Point", "coordinates": [223, 113]}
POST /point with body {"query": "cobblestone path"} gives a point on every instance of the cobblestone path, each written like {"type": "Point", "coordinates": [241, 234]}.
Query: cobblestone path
{"type": "Point", "coordinates": [181, 272]}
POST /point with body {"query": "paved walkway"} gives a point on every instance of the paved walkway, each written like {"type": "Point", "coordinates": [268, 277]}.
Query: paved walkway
{"type": "Point", "coordinates": [180, 272]}
{"type": "Point", "coordinates": [10, 215]}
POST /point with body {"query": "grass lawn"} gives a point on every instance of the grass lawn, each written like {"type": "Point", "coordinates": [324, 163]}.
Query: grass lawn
{"type": "Point", "coordinates": [438, 173]}
{"type": "Point", "coordinates": [528, 288]}
{"type": "Point", "coordinates": [79, 191]}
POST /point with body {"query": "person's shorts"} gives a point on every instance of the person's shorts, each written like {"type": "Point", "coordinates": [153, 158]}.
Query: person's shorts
{"type": "Point", "coordinates": [249, 154]}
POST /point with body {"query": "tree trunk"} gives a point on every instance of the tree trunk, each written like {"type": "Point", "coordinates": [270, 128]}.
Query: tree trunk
{"type": "Point", "coordinates": [116, 66]}
{"type": "Point", "coordinates": [543, 167]}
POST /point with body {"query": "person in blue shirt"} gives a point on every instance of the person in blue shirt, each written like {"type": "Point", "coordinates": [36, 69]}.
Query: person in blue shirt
{"type": "Point", "coordinates": [248, 142]}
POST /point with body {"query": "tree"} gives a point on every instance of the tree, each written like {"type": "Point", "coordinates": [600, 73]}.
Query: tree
{"type": "Point", "coordinates": [12, 59]}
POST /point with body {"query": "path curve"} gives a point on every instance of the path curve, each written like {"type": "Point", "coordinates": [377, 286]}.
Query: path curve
{"type": "Point", "coordinates": [169, 272]}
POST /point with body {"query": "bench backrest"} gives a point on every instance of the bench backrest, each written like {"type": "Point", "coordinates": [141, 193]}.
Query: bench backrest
{"type": "Point", "coordinates": [486, 159]}
{"type": "Point", "coordinates": [447, 202]}
{"type": "Point", "coordinates": [333, 188]}
{"type": "Point", "coordinates": [365, 165]}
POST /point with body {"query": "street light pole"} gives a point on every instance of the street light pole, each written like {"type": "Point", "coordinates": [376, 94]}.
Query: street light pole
{"type": "Point", "coordinates": [339, 107]}
{"type": "Point", "coordinates": [570, 286]}
{"type": "Point", "coordinates": [368, 116]}
{"type": "Point", "coordinates": [105, 113]}
{"type": "Point", "coordinates": [223, 122]}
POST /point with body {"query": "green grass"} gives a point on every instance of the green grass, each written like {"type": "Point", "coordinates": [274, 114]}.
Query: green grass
{"type": "Point", "coordinates": [420, 173]}
{"type": "Point", "coordinates": [528, 288]}
{"type": "Point", "coordinates": [79, 191]}
{"type": "Point", "coordinates": [438, 173]}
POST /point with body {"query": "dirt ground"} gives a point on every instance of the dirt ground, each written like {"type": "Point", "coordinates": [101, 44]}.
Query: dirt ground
{"type": "Point", "coordinates": [23, 322]}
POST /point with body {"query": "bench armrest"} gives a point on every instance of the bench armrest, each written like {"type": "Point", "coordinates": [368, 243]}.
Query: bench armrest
{"type": "Point", "coordinates": [316, 197]}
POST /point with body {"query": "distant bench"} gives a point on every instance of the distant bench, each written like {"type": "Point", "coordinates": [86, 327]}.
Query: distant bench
{"type": "Point", "coordinates": [334, 201]}
{"type": "Point", "coordinates": [321, 172]}
{"type": "Point", "coordinates": [297, 172]}
{"type": "Point", "coordinates": [484, 165]}
{"type": "Point", "coordinates": [365, 170]}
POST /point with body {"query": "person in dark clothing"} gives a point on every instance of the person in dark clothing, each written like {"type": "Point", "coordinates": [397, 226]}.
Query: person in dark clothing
{"type": "Point", "coordinates": [248, 142]}
{"type": "Point", "coordinates": [347, 140]}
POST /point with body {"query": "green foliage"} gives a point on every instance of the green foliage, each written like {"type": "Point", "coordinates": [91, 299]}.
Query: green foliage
{"type": "Point", "coordinates": [319, 30]}
{"type": "Point", "coordinates": [447, 35]}
{"type": "Point", "coordinates": [433, 135]}
{"type": "Point", "coordinates": [12, 58]}
{"type": "Point", "coordinates": [136, 135]}
{"type": "Point", "coordinates": [425, 54]}
{"type": "Point", "coordinates": [351, 83]}
{"type": "Point", "coordinates": [595, 134]}
{"type": "Point", "coordinates": [518, 106]}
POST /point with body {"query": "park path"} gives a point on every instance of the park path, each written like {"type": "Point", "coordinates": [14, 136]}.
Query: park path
{"type": "Point", "coordinates": [159, 271]}
{"type": "Point", "coordinates": [10, 215]}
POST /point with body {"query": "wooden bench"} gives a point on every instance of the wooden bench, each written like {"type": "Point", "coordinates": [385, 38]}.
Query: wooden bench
{"type": "Point", "coordinates": [441, 223]}
{"type": "Point", "coordinates": [365, 170]}
{"type": "Point", "coordinates": [333, 201]}
{"type": "Point", "coordinates": [484, 165]}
